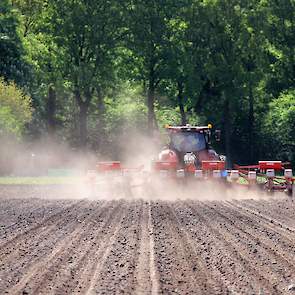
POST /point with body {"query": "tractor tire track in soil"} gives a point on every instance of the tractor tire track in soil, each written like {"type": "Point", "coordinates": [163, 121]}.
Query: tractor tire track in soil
{"type": "Point", "coordinates": [146, 247]}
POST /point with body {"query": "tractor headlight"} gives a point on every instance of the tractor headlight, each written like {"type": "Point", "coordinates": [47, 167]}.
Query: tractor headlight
{"type": "Point", "coordinates": [189, 158]}
{"type": "Point", "coordinates": [222, 158]}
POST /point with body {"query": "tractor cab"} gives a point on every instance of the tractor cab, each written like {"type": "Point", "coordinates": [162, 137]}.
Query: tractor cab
{"type": "Point", "coordinates": [189, 146]}
{"type": "Point", "coordinates": [189, 139]}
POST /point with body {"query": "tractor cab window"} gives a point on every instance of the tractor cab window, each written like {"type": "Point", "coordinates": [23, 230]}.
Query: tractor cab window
{"type": "Point", "coordinates": [188, 141]}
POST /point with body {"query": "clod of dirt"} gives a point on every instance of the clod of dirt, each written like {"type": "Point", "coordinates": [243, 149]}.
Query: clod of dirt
{"type": "Point", "coordinates": [291, 287]}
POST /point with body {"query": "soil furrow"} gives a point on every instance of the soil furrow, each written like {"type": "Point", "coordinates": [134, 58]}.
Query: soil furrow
{"type": "Point", "coordinates": [269, 226]}
{"type": "Point", "coordinates": [175, 262]}
{"type": "Point", "coordinates": [147, 278]}
{"type": "Point", "coordinates": [136, 246]}
{"type": "Point", "coordinates": [32, 251]}
{"type": "Point", "coordinates": [74, 258]}
{"type": "Point", "coordinates": [116, 272]}
{"type": "Point", "coordinates": [260, 281]}
{"type": "Point", "coordinates": [78, 274]}
{"type": "Point", "coordinates": [265, 242]}
{"type": "Point", "coordinates": [222, 256]}
{"type": "Point", "coordinates": [42, 272]}
{"type": "Point", "coordinates": [251, 248]}
{"type": "Point", "coordinates": [206, 248]}
{"type": "Point", "coordinates": [22, 219]}
{"type": "Point", "coordinates": [44, 223]}
{"type": "Point", "coordinates": [214, 285]}
{"type": "Point", "coordinates": [143, 272]}
{"type": "Point", "coordinates": [154, 274]}
{"type": "Point", "coordinates": [281, 209]}
{"type": "Point", "coordinates": [269, 221]}
{"type": "Point", "coordinates": [31, 241]}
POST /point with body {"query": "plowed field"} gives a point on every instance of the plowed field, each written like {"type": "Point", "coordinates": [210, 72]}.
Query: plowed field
{"type": "Point", "coordinates": [71, 246]}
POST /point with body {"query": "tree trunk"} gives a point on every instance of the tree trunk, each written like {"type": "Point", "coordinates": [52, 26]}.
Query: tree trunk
{"type": "Point", "coordinates": [51, 110]}
{"type": "Point", "coordinates": [227, 127]}
{"type": "Point", "coordinates": [205, 94]}
{"type": "Point", "coordinates": [83, 124]}
{"type": "Point", "coordinates": [83, 114]}
{"type": "Point", "coordinates": [151, 107]}
{"type": "Point", "coordinates": [180, 102]}
{"type": "Point", "coordinates": [251, 124]}
{"type": "Point", "coordinates": [100, 135]}
{"type": "Point", "coordinates": [100, 104]}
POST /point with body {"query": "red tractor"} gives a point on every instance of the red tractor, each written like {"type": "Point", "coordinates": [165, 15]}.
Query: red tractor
{"type": "Point", "coordinates": [189, 153]}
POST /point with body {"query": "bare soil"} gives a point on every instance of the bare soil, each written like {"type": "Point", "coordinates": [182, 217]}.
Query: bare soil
{"type": "Point", "coordinates": [80, 246]}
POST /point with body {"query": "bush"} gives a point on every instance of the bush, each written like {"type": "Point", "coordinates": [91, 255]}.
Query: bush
{"type": "Point", "coordinates": [280, 126]}
{"type": "Point", "coordinates": [15, 109]}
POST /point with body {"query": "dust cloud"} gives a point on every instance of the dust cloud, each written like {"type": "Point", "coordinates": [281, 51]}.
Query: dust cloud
{"type": "Point", "coordinates": [38, 157]}
{"type": "Point", "coordinates": [155, 187]}
{"type": "Point", "coordinates": [136, 182]}
{"type": "Point", "coordinates": [137, 152]}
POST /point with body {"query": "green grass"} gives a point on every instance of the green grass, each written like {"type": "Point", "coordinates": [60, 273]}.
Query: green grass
{"type": "Point", "coordinates": [260, 179]}
{"type": "Point", "coordinates": [41, 180]}
{"type": "Point", "coordinates": [243, 180]}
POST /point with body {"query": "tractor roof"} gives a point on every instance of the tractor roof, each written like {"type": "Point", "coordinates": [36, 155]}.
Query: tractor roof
{"type": "Point", "coordinates": [188, 128]}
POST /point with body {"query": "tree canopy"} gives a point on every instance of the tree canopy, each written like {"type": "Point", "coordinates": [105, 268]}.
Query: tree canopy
{"type": "Point", "coordinates": [13, 65]}
{"type": "Point", "coordinates": [95, 68]}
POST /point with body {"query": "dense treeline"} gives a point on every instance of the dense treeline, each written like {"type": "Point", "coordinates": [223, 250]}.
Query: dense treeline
{"type": "Point", "coordinates": [96, 69]}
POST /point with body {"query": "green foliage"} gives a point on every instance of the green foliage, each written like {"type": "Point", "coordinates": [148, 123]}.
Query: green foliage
{"type": "Point", "coordinates": [86, 34]}
{"type": "Point", "coordinates": [166, 115]}
{"type": "Point", "coordinates": [280, 126]}
{"type": "Point", "coordinates": [12, 61]}
{"type": "Point", "coordinates": [125, 113]}
{"type": "Point", "coordinates": [280, 32]}
{"type": "Point", "coordinates": [126, 110]}
{"type": "Point", "coordinates": [15, 109]}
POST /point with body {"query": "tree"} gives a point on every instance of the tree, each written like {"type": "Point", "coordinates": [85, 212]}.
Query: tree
{"type": "Point", "coordinates": [226, 53]}
{"type": "Point", "coordinates": [279, 127]}
{"type": "Point", "coordinates": [87, 33]}
{"type": "Point", "coordinates": [279, 30]}
{"type": "Point", "coordinates": [42, 54]}
{"type": "Point", "coordinates": [148, 39]}
{"type": "Point", "coordinates": [15, 109]}
{"type": "Point", "coordinates": [179, 67]}
{"type": "Point", "coordinates": [12, 63]}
